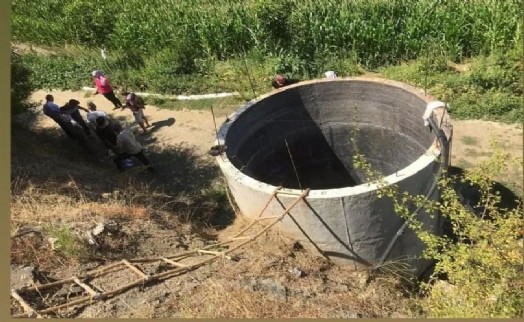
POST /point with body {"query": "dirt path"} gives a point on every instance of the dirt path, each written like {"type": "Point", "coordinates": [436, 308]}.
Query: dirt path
{"type": "Point", "coordinates": [193, 128]}
{"type": "Point", "coordinates": [471, 141]}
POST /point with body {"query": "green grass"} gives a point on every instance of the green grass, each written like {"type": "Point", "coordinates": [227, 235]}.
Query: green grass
{"type": "Point", "coordinates": [67, 243]}
{"type": "Point", "coordinates": [197, 46]}
{"type": "Point", "coordinates": [491, 89]}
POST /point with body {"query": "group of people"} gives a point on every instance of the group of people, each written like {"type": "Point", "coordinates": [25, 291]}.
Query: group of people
{"type": "Point", "coordinates": [120, 142]}
{"type": "Point", "coordinates": [132, 101]}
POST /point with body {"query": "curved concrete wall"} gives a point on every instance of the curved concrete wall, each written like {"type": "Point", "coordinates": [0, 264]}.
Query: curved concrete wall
{"type": "Point", "coordinates": [314, 121]}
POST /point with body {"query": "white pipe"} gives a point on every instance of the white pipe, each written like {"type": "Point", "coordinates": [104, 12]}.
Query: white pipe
{"type": "Point", "coordinates": [177, 97]}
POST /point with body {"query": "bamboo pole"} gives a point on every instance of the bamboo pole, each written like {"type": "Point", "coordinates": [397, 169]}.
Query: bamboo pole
{"type": "Point", "coordinates": [160, 276]}
{"type": "Point", "coordinates": [261, 212]}
{"type": "Point", "coordinates": [85, 287]}
{"type": "Point", "coordinates": [135, 269]}
{"type": "Point", "coordinates": [286, 211]}
{"type": "Point", "coordinates": [173, 262]}
{"type": "Point", "coordinates": [29, 311]}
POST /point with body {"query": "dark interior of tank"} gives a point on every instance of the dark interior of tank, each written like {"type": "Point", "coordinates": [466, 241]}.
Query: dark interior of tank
{"type": "Point", "coordinates": [302, 137]}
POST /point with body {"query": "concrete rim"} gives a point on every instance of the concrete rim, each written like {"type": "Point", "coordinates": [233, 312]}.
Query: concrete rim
{"type": "Point", "coordinates": [422, 162]}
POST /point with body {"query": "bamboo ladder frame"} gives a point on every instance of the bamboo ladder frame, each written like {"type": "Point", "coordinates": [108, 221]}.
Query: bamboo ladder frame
{"type": "Point", "coordinates": [172, 260]}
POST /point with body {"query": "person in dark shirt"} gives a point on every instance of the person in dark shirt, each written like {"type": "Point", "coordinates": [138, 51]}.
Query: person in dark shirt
{"type": "Point", "coordinates": [106, 134]}
{"type": "Point", "coordinates": [72, 108]}
{"type": "Point", "coordinates": [52, 110]}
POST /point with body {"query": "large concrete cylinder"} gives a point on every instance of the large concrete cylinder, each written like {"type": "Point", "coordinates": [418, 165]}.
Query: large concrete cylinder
{"type": "Point", "coordinates": [301, 137]}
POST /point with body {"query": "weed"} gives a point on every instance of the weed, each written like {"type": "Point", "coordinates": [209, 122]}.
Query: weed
{"type": "Point", "coordinates": [66, 242]}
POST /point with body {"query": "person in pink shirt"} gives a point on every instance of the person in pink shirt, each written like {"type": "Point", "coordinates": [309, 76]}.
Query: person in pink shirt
{"type": "Point", "coordinates": [103, 86]}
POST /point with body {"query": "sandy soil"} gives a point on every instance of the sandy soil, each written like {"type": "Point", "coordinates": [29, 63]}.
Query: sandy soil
{"type": "Point", "coordinates": [471, 138]}
{"type": "Point", "coordinates": [194, 128]}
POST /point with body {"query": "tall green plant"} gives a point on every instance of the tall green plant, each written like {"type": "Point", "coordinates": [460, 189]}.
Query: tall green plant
{"type": "Point", "coordinates": [378, 32]}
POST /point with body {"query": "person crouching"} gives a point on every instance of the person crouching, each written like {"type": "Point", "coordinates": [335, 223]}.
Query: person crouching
{"type": "Point", "coordinates": [128, 147]}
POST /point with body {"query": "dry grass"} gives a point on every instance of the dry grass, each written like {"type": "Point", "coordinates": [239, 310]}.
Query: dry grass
{"type": "Point", "coordinates": [323, 291]}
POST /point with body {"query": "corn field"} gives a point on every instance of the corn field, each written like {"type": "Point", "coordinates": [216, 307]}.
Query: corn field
{"type": "Point", "coordinates": [375, 32]}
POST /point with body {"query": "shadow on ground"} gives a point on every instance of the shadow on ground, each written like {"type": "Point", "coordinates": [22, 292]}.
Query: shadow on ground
{"type": "Point", "coordinates": [472, 194]}
{"type": "Point", "coordinates": [155, 126]}
{"type": "Point", "coordinates": [192, 182]}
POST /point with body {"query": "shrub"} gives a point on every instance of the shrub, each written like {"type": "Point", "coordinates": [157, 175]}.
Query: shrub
{"type": "Point", "coordinates": [21, 84]}
{"type": "Point", "coordinates": [481, 261]}
{"type": "Point", "coordinates": [484, 266]}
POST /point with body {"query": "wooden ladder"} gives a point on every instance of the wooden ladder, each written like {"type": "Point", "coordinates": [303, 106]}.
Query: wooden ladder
{"type": "Point", "coordinates": [175, 262]}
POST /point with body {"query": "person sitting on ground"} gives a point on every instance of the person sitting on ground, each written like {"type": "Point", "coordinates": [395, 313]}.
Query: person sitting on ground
{"type": "Point", "coordinates": [136, 104]}
{"type": "Point", "coordinates": [104, 87]}
{"type": "Point", "coordinates": [128, 146]}
{"type": "Point", "coordinates": [72, 108]}
{"type": "Point", "coordinates": [280, 81]}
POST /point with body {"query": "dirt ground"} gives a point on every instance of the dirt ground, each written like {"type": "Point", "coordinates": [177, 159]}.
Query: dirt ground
{"type": "Point", "coordinates": [472, 139]}
{"type": "Point", "coordinates": [268, 267]}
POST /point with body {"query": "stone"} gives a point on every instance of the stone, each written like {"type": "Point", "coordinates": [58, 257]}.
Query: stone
{"type": "Point", "coordinates": [98, 229]}
{"type": "Point", "coordinates": [22, 276]}
{"type": "Point", "coordinates": [272, 286]}
{"type": "Point", "coordinates": [295, 272]}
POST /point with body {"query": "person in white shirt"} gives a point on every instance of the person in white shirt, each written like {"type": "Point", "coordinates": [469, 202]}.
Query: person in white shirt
{"type": "Point", "coordinates": [93, 114]}
{"type": "Point", "coordinates": [128, 147]}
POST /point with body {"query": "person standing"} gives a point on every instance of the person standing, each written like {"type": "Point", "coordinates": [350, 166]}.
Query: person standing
{"type": "Point", "coordinates": [104, 87]}
{"type": "Point", "coordinates": [129, 146]}
{"type": "Point", "coordinates": [104, 130]}
{"type": "Point", "coordinates": [52, 110]}
{"type": "Point", "coordinates": [136, 104]}
{"type": "Point", "coordinates": [72, 108]}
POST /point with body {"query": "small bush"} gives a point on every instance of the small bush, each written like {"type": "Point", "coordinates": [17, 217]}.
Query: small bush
{"type": "Point", "coordinates": [484, 266]}
{"type": "Point", "coordinates": [66, 242]}
{"type": "Point", "coordinates": [478, 271]}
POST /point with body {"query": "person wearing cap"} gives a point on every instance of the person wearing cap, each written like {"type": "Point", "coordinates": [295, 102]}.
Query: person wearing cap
{"type": "Point", "coordinates": [71, 109]}
{"type": "Point", "coordinates": [104, 87]}
{"type": "Point", "coordinates": [128, 147]}
{"type": "Point", "coordinates": [136, 104]}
